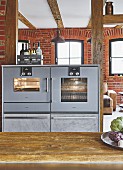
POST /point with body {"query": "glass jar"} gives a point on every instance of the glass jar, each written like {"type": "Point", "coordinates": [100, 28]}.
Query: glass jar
{"type": "Point", "coordinates": [109, 8]}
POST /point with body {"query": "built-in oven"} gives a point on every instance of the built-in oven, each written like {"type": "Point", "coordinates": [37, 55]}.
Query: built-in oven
{"type": "Point", "coordinates": [75, 89]}
{"type": "Point", "coordinates": [26, 84]}
{"type": "Point", "coordinates": [26, 99]}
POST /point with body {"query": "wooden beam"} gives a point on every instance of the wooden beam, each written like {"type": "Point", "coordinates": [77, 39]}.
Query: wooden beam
{"type": "Point", "coordinates": [119, 26]}
{"type": "Point", "coordinates": [97, 45]}
{"type": "Point", "coordinates": [113, 19]}
{"type": "Point", "coordinates": [25, 21]}
{"type": "Point", "coordinates": [89, 23]}
{"type": "Point", "coordinates": [56, 12]}
{"type": "Point", "coordinates": [11, 31]}
{"type": "Point", "coordinates": [110, 19]}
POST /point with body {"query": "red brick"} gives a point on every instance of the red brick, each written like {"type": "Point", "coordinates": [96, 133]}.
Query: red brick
{"type": "Point", "coordinates": [3, 2]}
{"type": "Point", "coordinates": [2, 52]}
{"type": "Point", "coordinates": [2, 23]}
{"type": "Point", "coordinates": [2, 18]}
{"type": "Point", "coordinates": [2, 32]}
{"type": "Point", "coordinates": [2, 27]}
{"type": "Point", "coordinates": [2, 7]}
{"type": "Point", "coordinates": [2, 37]}
{"type": "Point", "coordinates": [2, 48]}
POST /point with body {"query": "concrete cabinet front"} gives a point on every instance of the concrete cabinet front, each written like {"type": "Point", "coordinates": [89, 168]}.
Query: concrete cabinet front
{"type": "Point", "coordinates": [74, 123]}
{"type": "Point", "coordinates": [26, 123]}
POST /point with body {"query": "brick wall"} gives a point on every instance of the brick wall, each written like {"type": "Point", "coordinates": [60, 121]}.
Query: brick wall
{"type": "Point", "coordinates": [45, 36]}
{"type": "Point", "coordinates": [2, 28]}
{"type": "Point", "coordinates": [48, 49]}
{"type": "Point", "coordinates": [2, 48]}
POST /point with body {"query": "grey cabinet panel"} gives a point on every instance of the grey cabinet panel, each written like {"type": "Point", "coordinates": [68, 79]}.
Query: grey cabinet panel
{"type": "Point", "coordinates": [74, 123]}
{"type": "Point", "coordinates": [26, 107]}
{"type": "Point", "coordinates": [26, 123]}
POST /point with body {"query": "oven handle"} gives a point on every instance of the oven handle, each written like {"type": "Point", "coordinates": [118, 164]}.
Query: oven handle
{"type": "Point", "coordinates": [73, 117]}
{"type": "Point", "coordinates": [22, 117]}
{"type": "Point", "coordinates": [47, 85]}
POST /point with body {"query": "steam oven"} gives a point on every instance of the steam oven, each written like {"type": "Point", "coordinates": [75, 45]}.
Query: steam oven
{"type": "Point", "coordinates": [26, 98]}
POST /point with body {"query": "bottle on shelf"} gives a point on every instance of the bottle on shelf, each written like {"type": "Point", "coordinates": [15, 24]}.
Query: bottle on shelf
{"type": "Point", "coordinates": [22, 50]}
{"type": "Point", "coordinates": [26, 51]}
{"type": "Point", "coordinates": [38, 50]}
{"type": "Point", "coordinates": [33, 51]}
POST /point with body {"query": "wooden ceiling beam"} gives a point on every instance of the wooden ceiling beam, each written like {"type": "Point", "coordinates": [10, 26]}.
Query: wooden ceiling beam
{"type": "Point", "coordinates": [56, 12]}
{"type": "Point", "coordinates": [89, 23]}
{"type": "Point", "coordinates": [25, 21]}
{"type": "Point", "coordinates": [113, 19]}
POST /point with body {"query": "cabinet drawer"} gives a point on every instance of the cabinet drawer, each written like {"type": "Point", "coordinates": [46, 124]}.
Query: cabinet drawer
{"type": "Point", "coordinates": [74, 123]}
{"type": "Point", "coordinates": [26, 107]}
{"type": "Point", "coordinates": [26, 123]}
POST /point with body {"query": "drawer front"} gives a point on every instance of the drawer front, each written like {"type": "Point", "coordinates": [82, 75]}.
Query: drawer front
{"type": "Point", "coordinates": [26, 107]}
{"type": "Point", "coordinates": [26, 123]}
{"type": "Point", "coordinates": [74, 123]}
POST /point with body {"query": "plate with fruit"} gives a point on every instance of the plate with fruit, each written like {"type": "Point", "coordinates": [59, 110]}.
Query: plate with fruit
{"type": "Point", "coordinates": [115, 136]}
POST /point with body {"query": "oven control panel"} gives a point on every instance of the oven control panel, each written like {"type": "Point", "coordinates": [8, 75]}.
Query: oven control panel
{"type": "Point", "coordinates": [74, 71]}
{"type": "Point", "coordinates": [26, 71]}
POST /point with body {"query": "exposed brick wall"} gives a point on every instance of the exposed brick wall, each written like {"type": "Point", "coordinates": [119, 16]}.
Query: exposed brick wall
{"type": "Point", "coordinates": [2, 49]}
{"type": "Point", "coordinates": [45, 36]}
{"type": "Point", "coordinates": [48, 49]}
{"type": "Point", "coordinates": [2, 28]}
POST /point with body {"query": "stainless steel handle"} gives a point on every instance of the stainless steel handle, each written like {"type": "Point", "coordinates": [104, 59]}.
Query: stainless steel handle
{"type": "Point", "coordinates": [21, 117]}
{"type": "Point", "coordinates": [73, 117]}
{"type": "Point", "coordinates": [47, 85]}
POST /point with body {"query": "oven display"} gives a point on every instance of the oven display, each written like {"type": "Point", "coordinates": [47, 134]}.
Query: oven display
{"type": "Point", "coordinates": [73, 89]}
{"type": "Point", "coordinates": [26, 84]}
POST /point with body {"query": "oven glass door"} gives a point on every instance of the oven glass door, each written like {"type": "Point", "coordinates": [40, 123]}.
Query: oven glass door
{"type": "Point", "coordinates": [26, 84]}
{"type": "Point", "coordinates": [75, 93]}
{"type": "Point", "coordinates": [73, 89]}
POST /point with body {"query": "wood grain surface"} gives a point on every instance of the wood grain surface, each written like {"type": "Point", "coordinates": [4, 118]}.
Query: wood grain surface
{"type": "Point", "coordinates": [55, 147]}
{"type": "Point", "coordinates": [30, 166]}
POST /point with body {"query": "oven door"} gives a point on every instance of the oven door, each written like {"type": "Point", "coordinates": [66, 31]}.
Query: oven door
{"type": "Point", "coordinates": [75, 93]}
{"type": "Point", "coordinates": [32, 87]}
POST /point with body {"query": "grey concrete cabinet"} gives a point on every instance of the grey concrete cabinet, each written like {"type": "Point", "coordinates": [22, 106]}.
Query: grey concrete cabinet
{"type": "Point", "coordinates": [74, 123]}
{"type": "Point", "coordinates": [26, 123]}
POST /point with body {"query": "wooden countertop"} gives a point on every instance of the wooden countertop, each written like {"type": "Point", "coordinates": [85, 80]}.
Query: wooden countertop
{"type": "Point", "coordinates": [56, 148]}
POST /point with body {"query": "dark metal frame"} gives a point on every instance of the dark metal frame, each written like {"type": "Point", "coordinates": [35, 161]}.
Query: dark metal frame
{"type": "Point", "coordinates": [110, 57]}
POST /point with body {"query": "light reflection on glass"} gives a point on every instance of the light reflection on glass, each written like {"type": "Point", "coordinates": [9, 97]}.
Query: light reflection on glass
{"type": "Point", "coordinates": [26, 84]}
